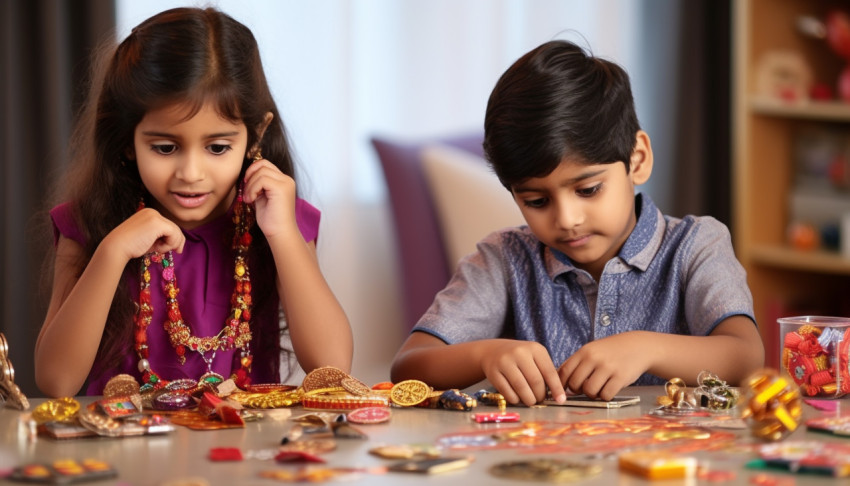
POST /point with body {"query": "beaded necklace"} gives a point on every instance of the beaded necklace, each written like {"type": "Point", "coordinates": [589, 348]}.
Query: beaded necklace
{"type": "Point", "coordinates": [236, 332]}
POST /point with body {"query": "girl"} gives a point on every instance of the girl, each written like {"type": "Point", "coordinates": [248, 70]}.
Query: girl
{"type": "Point", "coordinates": [182, 236]}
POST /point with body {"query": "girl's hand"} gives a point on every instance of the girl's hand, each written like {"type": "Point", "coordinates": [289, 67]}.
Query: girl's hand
{"type": "Point", "coordinates": [521, 371]}
{"type": "Point", "coordinates": [273, 194]}
{"type": "Point", "coordinates": [143, 232]}
{"type": "Point", "coordinates": [601, 368]}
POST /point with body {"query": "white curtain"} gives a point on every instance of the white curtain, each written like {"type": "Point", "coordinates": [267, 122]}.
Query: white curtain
{"type": "Point", "coordinates": [342, 71]}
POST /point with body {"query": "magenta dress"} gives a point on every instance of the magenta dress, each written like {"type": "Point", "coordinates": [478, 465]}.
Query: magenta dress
{"type": "Point", "coordinates": [205, 278]}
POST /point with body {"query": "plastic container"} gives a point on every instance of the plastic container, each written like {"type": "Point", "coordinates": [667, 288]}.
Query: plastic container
{"type": "Point", "coordinates": [814, 352]}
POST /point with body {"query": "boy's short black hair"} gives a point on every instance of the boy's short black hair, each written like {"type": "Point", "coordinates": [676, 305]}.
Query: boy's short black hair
{"type": "Point", "coordinates": [554, 102]}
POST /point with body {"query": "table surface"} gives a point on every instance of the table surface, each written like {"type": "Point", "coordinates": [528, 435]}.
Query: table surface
{"type": "Point", "coordinates": [182, 454]}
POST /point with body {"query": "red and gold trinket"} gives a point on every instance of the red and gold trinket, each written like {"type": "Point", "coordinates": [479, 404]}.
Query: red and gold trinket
{"type": "Point", "coordinates": [236, 332]}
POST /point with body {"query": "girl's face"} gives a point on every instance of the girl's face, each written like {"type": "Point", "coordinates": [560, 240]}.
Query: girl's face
{"type": "Point", "coordinates": [190, 166]}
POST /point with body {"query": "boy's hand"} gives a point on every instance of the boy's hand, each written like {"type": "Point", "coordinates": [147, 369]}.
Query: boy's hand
{"type": "Point", "coordinates": [273, 194]}
{"type": "Point", "coordinates": [521, 371]}
{"type": "Point", "coordinates": [600, 369]}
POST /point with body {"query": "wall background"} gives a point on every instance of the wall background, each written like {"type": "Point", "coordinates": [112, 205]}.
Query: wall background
{"type": "Point", "coordinates": [341, 72]}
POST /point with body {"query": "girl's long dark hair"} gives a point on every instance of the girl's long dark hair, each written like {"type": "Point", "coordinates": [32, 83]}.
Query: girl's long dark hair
{"type": "Point", "coordinates": [185, 55]}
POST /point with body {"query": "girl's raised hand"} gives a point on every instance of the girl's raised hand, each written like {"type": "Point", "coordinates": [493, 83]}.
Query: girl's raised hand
{"type": "Point", "coordinates": [273, 194]}
{"type": "Point", "coordinates": [145, 231]}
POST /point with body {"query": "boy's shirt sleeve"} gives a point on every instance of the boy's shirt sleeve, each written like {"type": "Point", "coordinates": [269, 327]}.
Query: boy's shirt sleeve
{"type": "Point", "coordinates": [716, 282]}
{"type": "Point", "coordinates": [475, 303]}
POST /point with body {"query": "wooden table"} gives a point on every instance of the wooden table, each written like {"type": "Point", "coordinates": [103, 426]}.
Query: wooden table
{"type": "Point", "coordinates": [153, 460]}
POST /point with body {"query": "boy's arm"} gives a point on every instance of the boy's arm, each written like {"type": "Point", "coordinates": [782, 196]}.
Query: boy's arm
{"type": "Point", "coordinates": [520, 370]}
{"type": "Point", "coordinates": [602, 368]}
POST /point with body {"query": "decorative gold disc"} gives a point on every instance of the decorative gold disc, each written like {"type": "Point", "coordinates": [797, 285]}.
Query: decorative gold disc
{"type": "Point", "coordinates": [409, 393]}
{"type": "Point", "coordinates": [324, 377]}
{"type": "Point", "coordinates": [355, 387]}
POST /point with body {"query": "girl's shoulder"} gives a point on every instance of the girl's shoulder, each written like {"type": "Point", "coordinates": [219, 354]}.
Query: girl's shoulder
{"type": "Point", "coordinates": [307, 217]}
{"type": "Point", "coordinates": [65, 224]}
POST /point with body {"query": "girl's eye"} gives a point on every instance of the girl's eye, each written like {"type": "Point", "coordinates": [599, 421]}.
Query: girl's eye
{"type": "Point", "coordinates": [164, 149]}
{"type": "Point", "coordinates": [589, 191]}
{"type": "Point", "coordinates": [535, 203]}
{"type": "Point", "coordinates": [219, 149]}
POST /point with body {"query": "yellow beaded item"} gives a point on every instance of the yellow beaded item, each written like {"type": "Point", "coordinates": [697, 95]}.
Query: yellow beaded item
{"type": "Point", "coordinates": [62, 410]}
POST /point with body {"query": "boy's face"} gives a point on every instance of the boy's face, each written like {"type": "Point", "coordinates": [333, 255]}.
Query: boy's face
{"type": "Point", "coordinates": [585, 211]}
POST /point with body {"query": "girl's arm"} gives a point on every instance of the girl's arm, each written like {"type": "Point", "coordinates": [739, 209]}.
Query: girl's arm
{"type": "Point", "coordinates": [71, 333]}
{"type": "Point", "coordinates": [602, 368]}
{"type": "Point", "coordinates": [318, 326]}
{"type": "Point", "coordinates": [81, 297]}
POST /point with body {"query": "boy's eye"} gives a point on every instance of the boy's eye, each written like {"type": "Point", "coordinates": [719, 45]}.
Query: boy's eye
{"type": "Point", "coordinates": [218, 148]}
{"type": "Point", "coordinates": [535, 203]}
{"type": "Point", "coordinates": [164, 148]}
{"type": "Point", "coordinates": [589, 191]}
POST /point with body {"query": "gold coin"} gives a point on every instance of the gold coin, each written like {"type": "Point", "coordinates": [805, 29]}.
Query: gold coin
{"type": "Point", "coordinates": [324, 377]}
{"type": "Point", "coordinates": [355, 386]}
{"type": "Point", "coordinates": [409, 392]}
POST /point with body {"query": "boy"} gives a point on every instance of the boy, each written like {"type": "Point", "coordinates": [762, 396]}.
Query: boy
{"type": "Point", "coordinates": [599, 282]}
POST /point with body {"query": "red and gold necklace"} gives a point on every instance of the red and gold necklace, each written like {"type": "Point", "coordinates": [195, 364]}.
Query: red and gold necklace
{"type": "Point", "coordinates": [236, 332]}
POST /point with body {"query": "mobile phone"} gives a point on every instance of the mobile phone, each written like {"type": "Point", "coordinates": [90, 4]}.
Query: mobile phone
{"type": "Point", "coordinates": [431, 466]}
{"type": "Point", "coordinates": [586, 401]}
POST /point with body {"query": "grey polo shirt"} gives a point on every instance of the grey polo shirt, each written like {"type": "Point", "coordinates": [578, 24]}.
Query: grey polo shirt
{"type": "Point", "coordinates": [677, 276]}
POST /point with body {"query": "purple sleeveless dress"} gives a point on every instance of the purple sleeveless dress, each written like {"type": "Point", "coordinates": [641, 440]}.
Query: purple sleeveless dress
{"type": "Point", "coordinates": [205, 277]}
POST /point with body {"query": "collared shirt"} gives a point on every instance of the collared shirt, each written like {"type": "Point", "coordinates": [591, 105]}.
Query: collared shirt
{"type": "Point", "coordinates": [676, 276]}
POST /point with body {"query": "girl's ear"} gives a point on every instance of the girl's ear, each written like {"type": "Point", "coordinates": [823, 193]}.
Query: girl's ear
{"type": "Point", "coordinates": [641, 160]}
{"type": "Point", "coordinates": [261, 130]}
{"type": "Point", "coordinates": [130, 153]}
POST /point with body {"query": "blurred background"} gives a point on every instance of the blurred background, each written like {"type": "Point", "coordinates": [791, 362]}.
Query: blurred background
{"type": "Point", "coordinates": [343, 72]}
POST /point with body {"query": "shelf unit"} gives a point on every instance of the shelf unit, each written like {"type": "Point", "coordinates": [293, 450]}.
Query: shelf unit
{"type": "Point", "coordinates": [784, 281]}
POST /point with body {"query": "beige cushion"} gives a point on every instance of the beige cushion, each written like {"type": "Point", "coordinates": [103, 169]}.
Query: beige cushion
{"type": "Point", "coordinates": [469, 200]}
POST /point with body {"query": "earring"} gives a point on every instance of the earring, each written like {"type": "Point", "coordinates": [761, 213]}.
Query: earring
{"type": "Point", "coordinates": [258, 155]}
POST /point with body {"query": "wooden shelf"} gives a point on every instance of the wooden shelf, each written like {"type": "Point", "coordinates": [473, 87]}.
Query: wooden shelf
{"type": "Point", "coordinates": [835, 111]}
{"type": "Point", "coordinates": [791, 259]}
